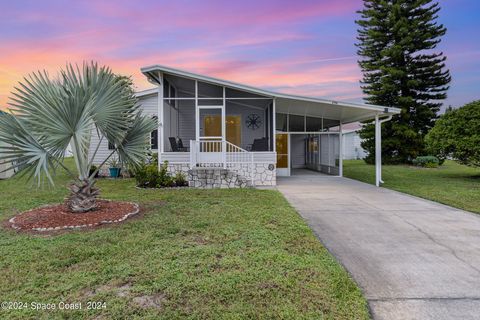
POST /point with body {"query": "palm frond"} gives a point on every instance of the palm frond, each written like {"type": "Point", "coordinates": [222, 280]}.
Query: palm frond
{"type": "Point", "coordinates": [134, 147]}
{"type": "Point", "coordinates": [50, 114]}
{"type": "Point", "coordinates": [24, 150]}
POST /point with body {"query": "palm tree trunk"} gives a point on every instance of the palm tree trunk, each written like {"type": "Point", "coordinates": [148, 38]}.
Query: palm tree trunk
{"type": "Point", "coordinates": [83, 196]}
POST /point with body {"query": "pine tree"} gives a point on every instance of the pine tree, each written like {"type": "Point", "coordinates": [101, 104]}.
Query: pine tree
{"type": "Point", "coordinates": [400, 69]}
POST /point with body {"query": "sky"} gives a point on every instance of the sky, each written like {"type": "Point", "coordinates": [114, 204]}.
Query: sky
{"type": "Point", "coordinates": [300, 47]}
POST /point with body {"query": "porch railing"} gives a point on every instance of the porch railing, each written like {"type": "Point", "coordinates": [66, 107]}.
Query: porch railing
{"type": "Point", "coordinates": [219, 154]}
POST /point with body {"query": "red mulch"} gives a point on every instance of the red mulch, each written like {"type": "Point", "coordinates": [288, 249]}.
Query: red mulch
{"type": "Point", "coordinates": [58, 217]}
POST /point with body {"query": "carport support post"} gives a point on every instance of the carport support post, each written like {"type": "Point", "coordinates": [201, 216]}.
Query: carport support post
{"type": "Point", "coordinates": [378, 151]}
{"type": "Point", "coordinates": [340, 155]}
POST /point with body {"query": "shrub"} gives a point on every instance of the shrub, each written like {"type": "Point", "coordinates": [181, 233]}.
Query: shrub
{"type": "Point", "coordinates": [426, 161]}
{"type": "Point", "coordinates": [457, 135]}
{"type": "Point", "coordinates": [180, 179]}
{"type": "Point", "coordinates": [148, 176]}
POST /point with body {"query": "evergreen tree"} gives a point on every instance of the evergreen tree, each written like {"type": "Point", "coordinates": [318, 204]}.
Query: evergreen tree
{"type": "Point", "coordinates": [400, 69]}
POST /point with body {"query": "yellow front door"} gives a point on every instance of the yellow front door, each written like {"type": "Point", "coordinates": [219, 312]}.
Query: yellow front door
{"type": "Point", "coordinates": [234, 130]}
{"type": "Point", "coordinates": [213, 128]}
{"type": "Point", "coordinates": [282, 150]}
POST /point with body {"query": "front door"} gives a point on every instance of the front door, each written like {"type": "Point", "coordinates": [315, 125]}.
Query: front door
{"type": "Point", "coordinates": [282, 146]}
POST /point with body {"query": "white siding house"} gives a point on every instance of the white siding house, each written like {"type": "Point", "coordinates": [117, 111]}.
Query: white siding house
{"type": "Point", "coordinates": [148, 100]}
{"type": "Point", "coordinates": [217, 130]}
{"type": "Point", "coordinates": [352, 149]}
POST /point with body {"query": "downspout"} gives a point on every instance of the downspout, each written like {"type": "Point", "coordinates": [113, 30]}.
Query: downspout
{"type": "Point", "coordinates": [378, 148]}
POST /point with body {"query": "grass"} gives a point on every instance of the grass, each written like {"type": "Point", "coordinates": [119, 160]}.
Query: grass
{"type": "Point", "coordinates": [451, 184]}
{"type": "Point", "coordinates": [202, 254]}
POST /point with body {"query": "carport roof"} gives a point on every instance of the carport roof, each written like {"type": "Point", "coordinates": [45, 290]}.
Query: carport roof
{"type": "Point", "coordinates": [288, 103]}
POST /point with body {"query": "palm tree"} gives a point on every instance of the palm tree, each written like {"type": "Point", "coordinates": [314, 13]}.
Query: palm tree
{"type": "Point", "coordinates": [49, 114]}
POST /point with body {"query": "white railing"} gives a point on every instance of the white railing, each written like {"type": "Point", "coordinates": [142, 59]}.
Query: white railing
{"type": "Point", "coordinates": [219, 153]}
{"type": "Point", "coordinates": [235, 154]}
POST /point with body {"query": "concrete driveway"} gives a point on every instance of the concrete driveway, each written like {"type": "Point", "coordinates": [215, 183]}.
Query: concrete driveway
{"type": "Point", "coordinates": [413, 258]}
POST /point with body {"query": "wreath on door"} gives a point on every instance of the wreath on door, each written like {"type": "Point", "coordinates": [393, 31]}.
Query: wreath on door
{"type": "Point", "coordinates": [253, 121]}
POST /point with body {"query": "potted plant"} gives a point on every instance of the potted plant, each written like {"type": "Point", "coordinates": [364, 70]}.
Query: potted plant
{"type": "Point", "coordinates": [114, 168]}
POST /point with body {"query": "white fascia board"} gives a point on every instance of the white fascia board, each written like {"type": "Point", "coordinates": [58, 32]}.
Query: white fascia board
{"type": "Point", "coordinates": [146, 92]}
{"type": "Point", "coordinates": [267, 93]}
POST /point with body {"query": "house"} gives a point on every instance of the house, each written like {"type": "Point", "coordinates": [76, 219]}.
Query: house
{"type": "Point", "coordinates": [5, 170]}
{"type": "Point", "coordinates": [352, 149]}
{"type": "Point", "coordinates": [225, 134]}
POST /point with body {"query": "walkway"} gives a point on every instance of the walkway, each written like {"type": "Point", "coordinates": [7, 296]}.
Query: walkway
{"type": "Point", "coordinates": [413, 258]}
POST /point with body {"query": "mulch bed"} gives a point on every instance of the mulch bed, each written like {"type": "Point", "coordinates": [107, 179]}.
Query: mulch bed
{"type": "Point", "coordinates": [59, 217]}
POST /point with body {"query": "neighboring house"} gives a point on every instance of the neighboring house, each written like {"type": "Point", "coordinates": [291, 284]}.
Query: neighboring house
{"type": "Point", "coordinates": [4, 165]}
{"type": "Point", "coordinates": [352, 149]}
{"type": "Point", "coordinates": [225, 134]}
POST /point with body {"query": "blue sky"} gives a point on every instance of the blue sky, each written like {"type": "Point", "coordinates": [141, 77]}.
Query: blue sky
{"type": "Point", "coordinates": [302, 47]}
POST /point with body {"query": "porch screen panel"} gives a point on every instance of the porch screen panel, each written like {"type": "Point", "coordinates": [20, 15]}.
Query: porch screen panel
{"type": "Point", "coordinates": [178, 87]}
{"type": "Point", "coordinates": [210, 102]}
{"type": "Point", "coordinates": [210, 122]}
{"type": "Point", "coordinates": [314, 124]}
{"type": "Point", "coordinates": [207, 90]}
{"type": "Point", "coordinates": [281, 122]}
{"type": "Point", "coordinates": [296, 123]}
{"type": "Point", "coordinates": [186, 121]}
{"type": "Point", "coordinates": [331, 125]}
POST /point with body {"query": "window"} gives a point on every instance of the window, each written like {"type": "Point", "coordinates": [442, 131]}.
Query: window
{"type": "Point", "coordinates": [154, 137]}
{"type": "Point", "coordinates": [111, 146]}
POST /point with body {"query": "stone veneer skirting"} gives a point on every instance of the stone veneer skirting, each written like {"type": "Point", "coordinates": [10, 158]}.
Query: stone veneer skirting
{"type": "Point", "coordinates": [234, 176]}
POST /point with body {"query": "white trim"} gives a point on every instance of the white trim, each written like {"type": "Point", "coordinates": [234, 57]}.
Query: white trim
{"type": "Point", "coordinates": [378, 152]}
{"type": "Point", "coordinates": [274, 126]}
{"type": "Point", "coordinates": [289, 155]}
{"type": "Point", "coordinates": [340, 152]}
{"type": "Point", "coordinates": [160, 131]}
{"type": "Point", "coordinates": [197, 114]}
{"type": "Point", "coordinates": [210, 107]}
{"type": "Point", "coordinates": [216, 98]}
{"type": "Point", "coordinates": [378, 148]}
{"type": "Point", "coordinates": [146, 92]}
{"type": "Point", "coordinates": [224, 111]}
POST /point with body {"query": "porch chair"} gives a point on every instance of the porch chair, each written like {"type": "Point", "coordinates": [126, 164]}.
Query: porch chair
{"type": "Point", "coordinates": [177, 147]}
{"type": "Point", "coordinates": [260, 145]}
{"type": "Point", "coordinates": [180, 145]}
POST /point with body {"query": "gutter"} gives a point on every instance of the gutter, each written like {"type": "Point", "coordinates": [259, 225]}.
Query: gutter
{"type": "Point", "coordinates": [378, 148]}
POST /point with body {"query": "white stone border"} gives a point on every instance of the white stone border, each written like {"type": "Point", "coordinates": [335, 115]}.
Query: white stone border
{"type": "Point", "coordinates": [164, 188]}
{"type": "Point", "coordinates": [126, 216]}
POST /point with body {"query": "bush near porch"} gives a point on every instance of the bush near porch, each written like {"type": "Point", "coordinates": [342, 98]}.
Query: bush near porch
{"type": "Point", "coordinates": [206, 254]}
{"type": "Point", "coordinates": [452, 184]}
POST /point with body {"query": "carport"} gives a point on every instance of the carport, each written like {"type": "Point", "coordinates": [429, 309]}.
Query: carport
{"type": "Point", "coordinates": [309, 130]}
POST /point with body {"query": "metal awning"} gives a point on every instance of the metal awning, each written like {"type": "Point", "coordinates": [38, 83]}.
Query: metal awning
{"type": "Point", "coordinates": [345, 112]}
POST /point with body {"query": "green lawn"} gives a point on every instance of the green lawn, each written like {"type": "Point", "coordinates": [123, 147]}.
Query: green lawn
{"type": "Point", "coordinates": [452, 184]}
{"type": "Point", "coordinates": [197, 254]}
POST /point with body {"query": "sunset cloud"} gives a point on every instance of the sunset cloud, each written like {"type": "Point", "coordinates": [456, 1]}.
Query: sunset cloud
{"type": "Point", "coordinates": [302, 47]}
